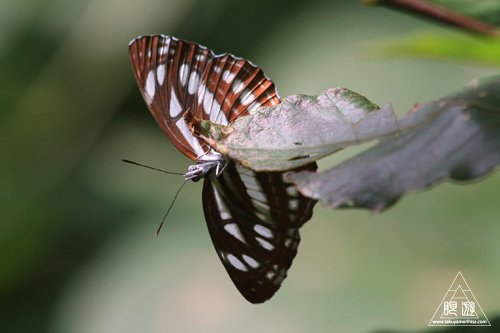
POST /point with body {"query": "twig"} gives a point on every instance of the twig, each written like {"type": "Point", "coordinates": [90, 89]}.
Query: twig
{"type": "Point", "coordinates": [438, 13]}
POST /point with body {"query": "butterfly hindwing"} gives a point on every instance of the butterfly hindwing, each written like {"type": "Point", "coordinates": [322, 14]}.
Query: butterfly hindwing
{"type": "Point", "coordinates": [232, 87]}
{"type": "Point", "coordinates": [255, 231]}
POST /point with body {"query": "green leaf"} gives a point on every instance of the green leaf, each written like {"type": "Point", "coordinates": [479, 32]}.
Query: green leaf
{"type": "Point", "coordinates": [296, 132]}
{"type": "Point", "coordinates": [457, 137]}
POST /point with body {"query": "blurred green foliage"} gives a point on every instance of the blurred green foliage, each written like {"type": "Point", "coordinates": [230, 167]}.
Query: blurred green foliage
{"type": "Point", "coordinates": [483, 51]}
{"type": "Point", "coordinates": [77, 245]}
{"type": "Point", "coordinates": [486, 10]}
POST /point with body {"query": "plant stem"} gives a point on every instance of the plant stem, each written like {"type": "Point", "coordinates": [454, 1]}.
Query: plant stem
{"type": "Point", "coordinates": [438, 13]}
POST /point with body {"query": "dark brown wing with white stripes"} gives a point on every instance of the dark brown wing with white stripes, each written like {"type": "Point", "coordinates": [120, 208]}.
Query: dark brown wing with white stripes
{"type": "Point", "coordinates": [232, 87]}
{"type": "Point", "coordinates": [168, 72]}
{"type": "Point", "coordinates": [254, 220]}
{"type": "Point", "coordinates": [176, 76]}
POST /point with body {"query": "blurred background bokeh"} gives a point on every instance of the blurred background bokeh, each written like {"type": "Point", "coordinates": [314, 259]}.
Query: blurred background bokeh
{"type": "Point", "coordinates": [77, 245]}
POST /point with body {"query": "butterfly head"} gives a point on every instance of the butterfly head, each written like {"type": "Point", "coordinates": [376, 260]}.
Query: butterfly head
{"type": "Point", "coordinates": [207, 162]}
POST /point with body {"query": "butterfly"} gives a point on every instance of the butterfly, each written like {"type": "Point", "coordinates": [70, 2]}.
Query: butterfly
{"type": "Point", "coordinates": [253, 218]}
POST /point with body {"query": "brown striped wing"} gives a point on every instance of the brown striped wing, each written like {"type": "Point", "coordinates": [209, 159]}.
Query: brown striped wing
{"type": "Point", "coordinates": [176, 76]}
{"type": "Point", "coordinates": [168, 72]}
{"type": "Point", "coordinates": [232, 87]}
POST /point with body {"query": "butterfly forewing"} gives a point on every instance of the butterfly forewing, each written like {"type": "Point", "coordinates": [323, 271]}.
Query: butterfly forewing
{"type": "Point", "coordinates": [255, 232]}
{"type": "Point", "coordinates": [168, 72]}
{"type": "Point", "coordinates": [253, 218]}
{"type": "Point", "coordinates": [175, 76]}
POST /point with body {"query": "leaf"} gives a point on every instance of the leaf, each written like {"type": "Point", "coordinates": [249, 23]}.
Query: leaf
{"type": "Point", "coordinates": [296, 132]}
{"type": "Point", "coordinates": [457, 137]}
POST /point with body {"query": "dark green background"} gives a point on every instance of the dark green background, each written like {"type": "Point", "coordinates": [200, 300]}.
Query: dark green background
{"type": "Point", "coordinates": [77, 245]}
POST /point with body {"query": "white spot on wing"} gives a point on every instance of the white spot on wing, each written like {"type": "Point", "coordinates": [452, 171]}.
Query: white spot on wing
{"type": "Point", "coordinates": [232, 228]}
{"type": "Point", "coordinates": [236, 263]}
{"type": "Point", "coordinates": [254, 190]}
{"type": "Point", "coordinates": [194, 79]}
{"type": "Point", "coordinates": [216, 116]}
{"type": "Point", "coordinates": [250, 182]}
{"type": "Point", "coordinates": [256, 195]}
{"type": "Point", "coordinates": [200, 93]}
{"type": "Point", "coordinates": [263, 231]}
{"type": "Point", "coordinates": [225, 215]}
{"type": "Point", "coordinates": [160, 72]}
{"type": "Point", "coordinates": [255, 105]}
{"type": "Point", "coordinates": [237, 86]}
{"type": "Point", "coordinates": [291, 243]}
{"type": "Point", "coordinates": [175, 107]}
{"type": "Point", "coordinates": [228, 76]}
{"type": "Point", "coordinates": [164, 48]}
{"type": "Point", "coordinates": [265, 244]}
{"type": "Point", "coordinates": [250, 261]}
{"type": "Point", "coordinates": [200, 56]}
{"type": "Point", "coordinates": [207, 102]}
{"type": "Point", "coordinates": [270, 275]}
{"type": "Point", "coordinates": [249, 98]}
{"type": "Point", "coordinates": [221, 117]}
{"type": "Point", "coordinates": [261, 216]}
{"type": "Point", "coordinates": [191, 140]}
{"type": "Point", "coordinates": [293, 204]}
{"type": "Point", "coordinates": [150, 87]}
{"type": "Point", "coordinates": [183, 74]}
{"type": "Point", "coordinates": [264, 208]}
{"type": "Point", "coordinates": [292, 191]}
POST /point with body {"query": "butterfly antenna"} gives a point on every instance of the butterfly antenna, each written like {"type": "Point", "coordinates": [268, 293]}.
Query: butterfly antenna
{"type": "Point", "coordinates": [147, 166]}
{"type": "Point", "coordinates": [169, 208]}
